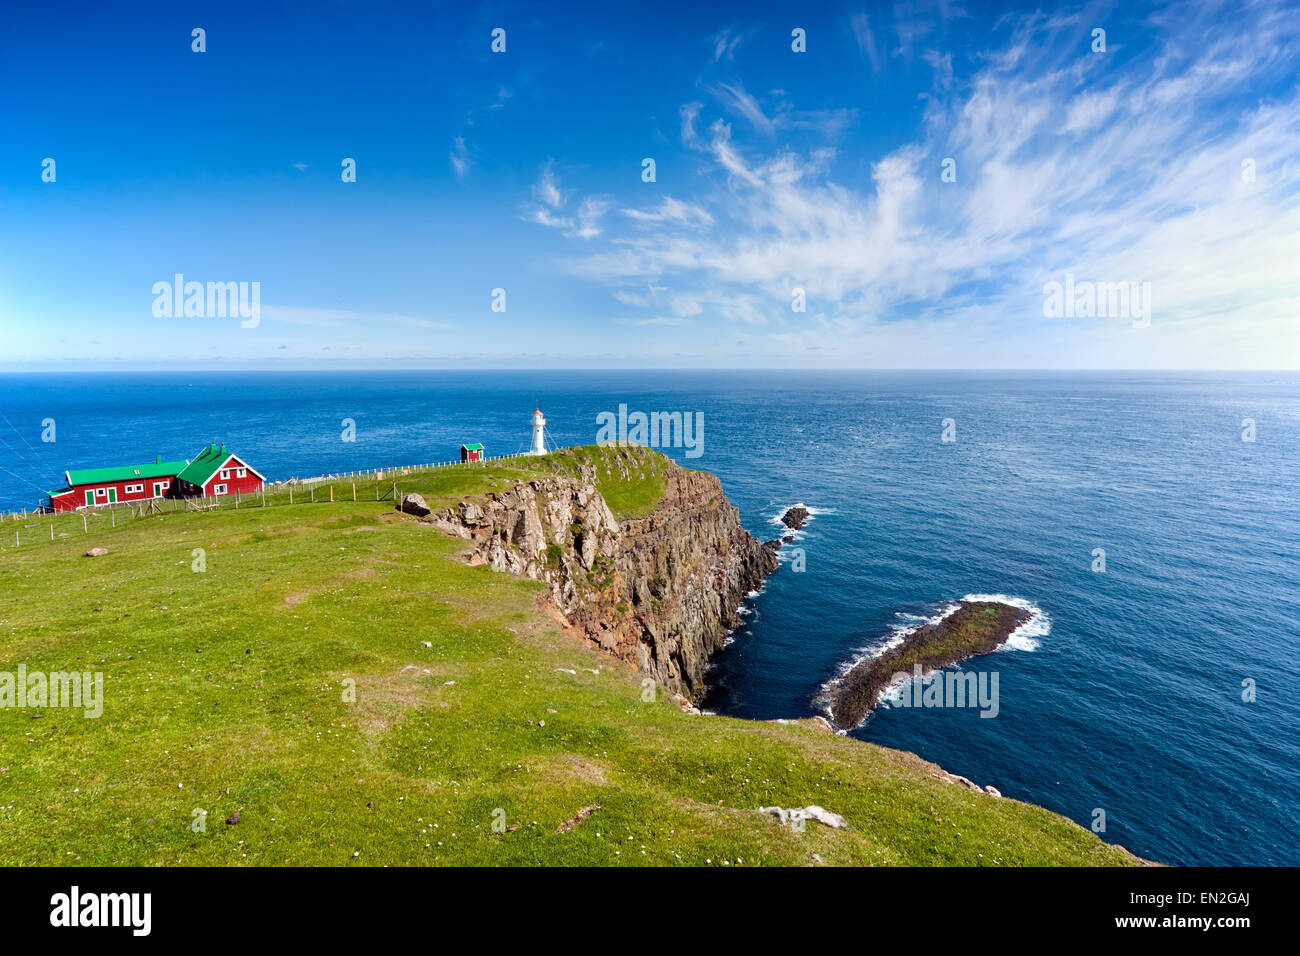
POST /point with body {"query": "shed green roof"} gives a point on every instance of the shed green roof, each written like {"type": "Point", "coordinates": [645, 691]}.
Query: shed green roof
{"type": "Point", "coordinates": [474, 447]}
{"type": "Point", "coordinates": [159, 469]}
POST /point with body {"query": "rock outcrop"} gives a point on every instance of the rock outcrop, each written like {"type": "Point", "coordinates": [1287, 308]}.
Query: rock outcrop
{"type": "Point", "coordinates": [795, 517]}
{"type": "Point", "coordinates": [660, 592]}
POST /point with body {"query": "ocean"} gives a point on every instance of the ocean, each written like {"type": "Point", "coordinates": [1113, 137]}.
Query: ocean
{"type": "Point", "coordinates": [1128, 697]}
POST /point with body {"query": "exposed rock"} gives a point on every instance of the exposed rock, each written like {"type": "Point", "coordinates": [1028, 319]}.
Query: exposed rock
{"type": "Point", "coordinates": [797, 816]}
{"type": "Point", "coordinates": [967, 783]}
{"type": "Point", "coordinates": [577, 818]}
{"type": "Point", "coordinates": [414, 505]}
{"type": "Point", "coordinates": [660, 592]}
{"type": "Point", "coordinates": [95, 553]}
{"type": "Point", "coordinates": [232, 819]}
{"type": "Point", "coordinates": [795, 517]}
{"type": "Point", "coordinates": [973, 628]}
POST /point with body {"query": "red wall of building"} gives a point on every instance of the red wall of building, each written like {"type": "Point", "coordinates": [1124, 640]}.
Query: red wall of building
{"type": "Point", "coordinates": [249, 484]}
{"type": "Point", "coordinates": [78, 497]}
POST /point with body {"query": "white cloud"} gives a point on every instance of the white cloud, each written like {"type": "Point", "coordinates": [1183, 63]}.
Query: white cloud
{"type": "Point", "coordinates": [547, 189]}
{"type": "Point", "coordinates": [460, 158]}
{"type": "Point", "coordinates": [671, 210]}
{"type": "Point", "coordinates": [860, 24]}
{"type": "Point", "coordinates": [585, 223]}
{"type": "Point", "coordinates": [727, 41]}
{"type": "Point", "coordinates": [1129, 172]}
{"type": "Point", "coordinates": [735, 96]}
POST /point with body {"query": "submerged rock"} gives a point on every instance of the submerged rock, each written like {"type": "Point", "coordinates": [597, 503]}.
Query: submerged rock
{"type": "Point", "coordinates": [795, 517]}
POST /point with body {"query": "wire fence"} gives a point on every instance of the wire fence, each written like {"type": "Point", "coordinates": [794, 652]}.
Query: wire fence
{"type": "Point", "coordinates": [377, 484]}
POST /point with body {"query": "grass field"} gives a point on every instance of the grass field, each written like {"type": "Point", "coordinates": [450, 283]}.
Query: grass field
{"type": "Point", "coordinates": [358, 696]}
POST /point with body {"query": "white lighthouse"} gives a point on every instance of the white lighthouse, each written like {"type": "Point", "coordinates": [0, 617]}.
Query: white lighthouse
{"type": "Point", "coordinates": [538, 446]}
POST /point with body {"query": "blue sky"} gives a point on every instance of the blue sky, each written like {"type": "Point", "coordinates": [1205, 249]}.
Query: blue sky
{"type": "Point", "coordinates": [775, 171]}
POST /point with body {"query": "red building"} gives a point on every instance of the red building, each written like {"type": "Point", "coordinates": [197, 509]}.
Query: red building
{"type": "Point", "coordinates": [213, 473]}
{"type": "Point", "coordinates": [216, 472]}
{"type": "Point", "coordinates": [472, 452]}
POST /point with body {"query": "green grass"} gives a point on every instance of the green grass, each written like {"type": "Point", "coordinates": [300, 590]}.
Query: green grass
{"type": "Point", "coordinates": [225, 691]}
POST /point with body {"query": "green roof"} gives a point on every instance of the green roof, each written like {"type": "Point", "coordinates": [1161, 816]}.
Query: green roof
{"type": "Point", "coordinates": [205, 465]}
{"type": "Point", "coordinates": [474, 447]}
{"type": "Point", "coordinates": [159, 469]}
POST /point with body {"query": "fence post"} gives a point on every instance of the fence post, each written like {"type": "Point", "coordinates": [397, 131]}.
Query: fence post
{"type": "Point", "coordinates": [51, 530]}
{"type": "Point", "coordinates": [84, 528]}
{"type": "Point", "coordinates": [331, 494]}
{"type": "Point", "coordinates": [291, 494]}
{"type": "Point", "coordinates": [313, 494]}
{"type": "Point", "coordinates": [264, 496]}
{"type": "Point", "coordinates": [354, 491]}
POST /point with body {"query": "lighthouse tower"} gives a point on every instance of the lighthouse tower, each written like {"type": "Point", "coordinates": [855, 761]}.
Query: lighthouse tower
{"type": "Point", "coordinates": [538, 446]}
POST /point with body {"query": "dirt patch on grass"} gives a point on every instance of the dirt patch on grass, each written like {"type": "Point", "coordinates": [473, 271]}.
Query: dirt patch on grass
{"type": "Point", "coordinates": [577, 818]}
{"type": "Point", "coordinates": [294, 598]}
{"type": "Point", "coordinates": [382, 698]}
{"type": "Point", "coordinates": [573, 768]}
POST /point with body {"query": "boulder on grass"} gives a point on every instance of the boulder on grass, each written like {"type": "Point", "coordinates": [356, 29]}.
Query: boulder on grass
{"type": "Point", "coordinates": [414, 505]}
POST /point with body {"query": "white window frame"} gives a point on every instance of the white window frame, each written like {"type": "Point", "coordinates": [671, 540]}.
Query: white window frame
{"type": "Point", "coordinates": [137, 489]}
{"type": "Point", "coordinates": [241, 473]}
{"type": "Point", "coordinates": [218, 490]}
{"type": "Point", "coordinates": [225, 474]}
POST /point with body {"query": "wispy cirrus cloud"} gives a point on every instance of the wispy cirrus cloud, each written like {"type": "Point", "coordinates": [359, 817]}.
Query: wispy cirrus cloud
{"type": "Point", "coordinates": [460, 158]}
{"type": "Point", "coordinates": [549, 208]}
{"type": "Point", "coordinates": [1113, 169]}
{"type": "Point", "coordinates": [727, 41]}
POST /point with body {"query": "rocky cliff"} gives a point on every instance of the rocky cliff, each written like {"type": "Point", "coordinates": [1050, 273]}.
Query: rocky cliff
{"type": "Point", "coordinates": [660, 592]}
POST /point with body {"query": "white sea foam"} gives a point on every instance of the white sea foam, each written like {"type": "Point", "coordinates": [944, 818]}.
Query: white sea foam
{"type": "Point", "coordinates": [1025, 637]}
{"type": "Point", "coordinates": [812, 513]}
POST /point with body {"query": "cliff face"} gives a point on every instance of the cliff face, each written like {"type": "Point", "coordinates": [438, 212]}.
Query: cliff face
{"type": "Point", "coordinates": [660, 592]}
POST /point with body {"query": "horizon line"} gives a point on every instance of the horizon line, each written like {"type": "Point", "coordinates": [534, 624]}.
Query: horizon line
{"type": "Point", "coordinates": [626, 368]}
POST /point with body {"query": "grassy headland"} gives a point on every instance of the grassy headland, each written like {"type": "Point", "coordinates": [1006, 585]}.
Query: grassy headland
{"type": "Point", "coordinates": [227, 690]}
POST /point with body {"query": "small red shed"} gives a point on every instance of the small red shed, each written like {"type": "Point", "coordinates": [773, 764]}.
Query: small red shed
{"type": "Point", "coordinates": [472, 452]}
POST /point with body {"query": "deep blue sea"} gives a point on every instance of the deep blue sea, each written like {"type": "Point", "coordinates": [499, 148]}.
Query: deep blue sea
{"type": "Point", "coordinates": [1131, 702]}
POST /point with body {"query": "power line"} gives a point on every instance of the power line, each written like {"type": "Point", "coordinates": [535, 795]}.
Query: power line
{"type": "Point", "coordinates": [44, 491]}
{"type": "Point", "coordinates": [36, 464]}
{"type": "Point", "coordinates": [21, 457]}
